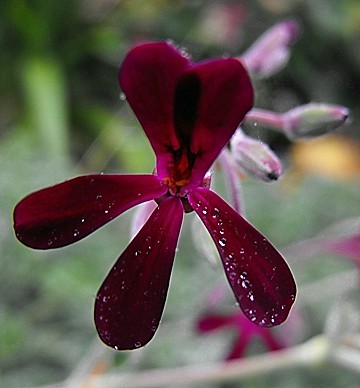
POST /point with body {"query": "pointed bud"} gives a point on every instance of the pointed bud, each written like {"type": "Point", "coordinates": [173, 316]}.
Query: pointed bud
{"type": "Point", "coordinates": [313, 119]}
{"type": "Point", "coordinates": [255, 158]}
{"type": "Point", "coordinates": [271, 52]}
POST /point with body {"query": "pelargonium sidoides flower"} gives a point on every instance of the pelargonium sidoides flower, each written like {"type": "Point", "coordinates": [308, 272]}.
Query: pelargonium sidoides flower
{"type": "Point", "coordinates": [189, 111]}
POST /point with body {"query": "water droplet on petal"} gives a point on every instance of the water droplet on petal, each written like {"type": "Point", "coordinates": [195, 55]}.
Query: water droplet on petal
{"type": "Point", "coordinates": [137, 344]}
{"type": "Point", "coordinates": [251, 296]}
{"type": "Point", "coordinates": [245, 283]}
{"type": "Point", "coordinates": [222, 242]}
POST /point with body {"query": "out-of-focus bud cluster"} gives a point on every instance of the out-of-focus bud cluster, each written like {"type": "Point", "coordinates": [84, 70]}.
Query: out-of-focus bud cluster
{"type": "Point", "coordinates": [313, 119]}
{"type": "Point", "coordinates": [254, 158]}
{"type": "Point", "coordinates": [271, 52]}
{"type": "Point", "coordinates": [304, 121]}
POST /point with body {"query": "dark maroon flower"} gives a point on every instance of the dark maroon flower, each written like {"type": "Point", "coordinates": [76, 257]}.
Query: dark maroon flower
{"type": "Point", "coordinates": [244, 329]}
{"type": "Point", "coordinates": [189, 111]}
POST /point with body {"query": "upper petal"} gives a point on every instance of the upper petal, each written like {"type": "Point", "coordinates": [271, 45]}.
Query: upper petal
{"type": "Point", "coordinates": [225, 96]}
{"type": "Point", "coordinates": [185, 107]}
{"type": "Point", "coordinates": [148, 77]}
{"type": "Point", "coordinates": [131, 300]}
{"type": "Point", "coordinates": [69, 211]}
{"type": "Point", "coordinates": [258, 274]}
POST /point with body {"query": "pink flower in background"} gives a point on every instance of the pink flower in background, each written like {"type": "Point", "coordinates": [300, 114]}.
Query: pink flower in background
{"type": "Point", "coordinates": [245, 331]}
{"type": "Point", "coordinates": [348, 247]}
{"type": "Point", "coordinates": [189, 111]}
{"type": "Point", "coordinates": [271, 52]}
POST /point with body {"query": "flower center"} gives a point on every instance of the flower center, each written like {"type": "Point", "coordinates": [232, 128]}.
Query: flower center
{"type": "Point", "coordinates": [176, 184]}
{"type": "Point", "coordinates": [180, 173]}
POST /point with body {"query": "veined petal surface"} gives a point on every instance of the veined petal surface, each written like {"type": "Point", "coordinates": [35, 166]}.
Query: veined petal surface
{"type": "Point", "coordinates": [259, 276]}
{"type": "Point", "coordinates": [131, 300]}
{"type": "Point", "coordinates": [67, 212]}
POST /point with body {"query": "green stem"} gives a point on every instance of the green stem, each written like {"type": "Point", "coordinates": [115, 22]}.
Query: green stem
{"type": "Point", "coordinates": [310, 354]}
{"type": "Point", "coordinates": [46, 104]}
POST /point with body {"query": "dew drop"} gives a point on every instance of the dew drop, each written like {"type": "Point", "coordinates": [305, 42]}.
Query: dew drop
{"type": "Point", "coordinates": [184, 52]}
{"type": "Point", "coordinates": [122, 96]}
{"type": "Point", "coordinates": [245, 283]}
{"type": "Point", "coordinates": [222, 242]}
{"type": "Point", "coordinates": [99, 196]}
{"type": "Point", "coordinates": [50, 242]}
{"type": "Point", "coordinates": [251, 296]}
{"type": "Point", "coordinates": [76, 232]}
{"type": "Point", "coordinates": [137, 344]}
{"type": "Point", "coordinates": [116, 347]}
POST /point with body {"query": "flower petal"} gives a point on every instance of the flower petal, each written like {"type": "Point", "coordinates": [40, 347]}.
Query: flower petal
{"type": "Point", "coordinates": [131, 300]}
{"type": "Point", "coordinates": [225, 96]}
{"type": "Point", "coordinates": [258, 274]}
{"type": "Point", "coordinates": [185, 107]}
{"type": "Point", "coordinates": [148, 77]}
{"type": "Point", "coordinates": [69, 211]}
{"type": "Point", "coordinates": [213, 322]}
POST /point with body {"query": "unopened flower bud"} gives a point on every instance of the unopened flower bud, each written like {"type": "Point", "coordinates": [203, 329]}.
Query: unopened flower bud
{"type": "Point", "coordinates": [255, 158]}
{"type": "Point", "coordinates": [271, 52]}
{"type": "Point", "coordinates": [313, 119]}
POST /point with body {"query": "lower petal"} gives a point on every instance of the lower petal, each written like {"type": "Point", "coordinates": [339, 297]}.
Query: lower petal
{"type": "Point", "coordinates": [131, 300]}
{"type": "Point", "coordinates": [259, 276]}
{"type": "Point", "coordinates": [69, 211]}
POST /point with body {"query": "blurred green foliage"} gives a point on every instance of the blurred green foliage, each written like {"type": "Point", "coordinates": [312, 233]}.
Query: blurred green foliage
{"type": "Point", "coordinates": [61, 115]}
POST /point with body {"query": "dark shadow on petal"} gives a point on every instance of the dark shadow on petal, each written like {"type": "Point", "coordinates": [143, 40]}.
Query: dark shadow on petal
{"type": "Point", "coordinates": [187, 97]}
